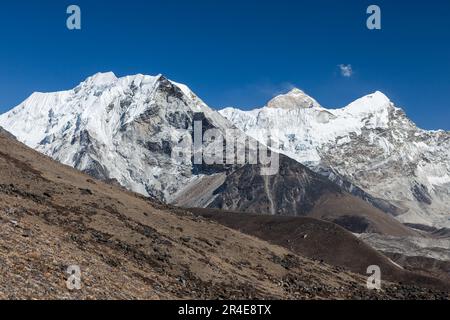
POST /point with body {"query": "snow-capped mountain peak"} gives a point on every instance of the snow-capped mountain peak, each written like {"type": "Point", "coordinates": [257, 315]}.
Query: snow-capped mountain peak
{"type": "Point", "coordinates": [295, 98]}
{"type": "Point", "coordinates": [115, 128]}
{"type": "Point", "coordinates": [370, 103]}
{"type": "Point", "coordinates": [370, 143]}
{"type": "Point", "coordinates": [102, 78]}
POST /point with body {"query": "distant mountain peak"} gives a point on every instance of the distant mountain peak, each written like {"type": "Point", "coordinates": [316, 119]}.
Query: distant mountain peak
{"type": "Point", "coordinates": [295, 98]}
{"type": "Point", "coordinates": [296, 91]}
{"type": "Point", "coordinates": [101, 78]}
{"type": "Point", "coordinates": [370, 103]}
{"type": "Point", "coordinates": [377, 97]}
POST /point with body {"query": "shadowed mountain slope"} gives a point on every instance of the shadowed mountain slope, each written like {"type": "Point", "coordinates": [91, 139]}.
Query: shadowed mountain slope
{"type": "Point", "coordinates": [297, 191]}
{"type": "Point", "coordinates": [319, 240]}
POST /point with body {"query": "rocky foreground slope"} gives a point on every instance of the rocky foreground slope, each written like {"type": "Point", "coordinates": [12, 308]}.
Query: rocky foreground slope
{"type": "Point", "coordinates": [52, 216]}
{"type": "Point", "coordinates": [332, 244]}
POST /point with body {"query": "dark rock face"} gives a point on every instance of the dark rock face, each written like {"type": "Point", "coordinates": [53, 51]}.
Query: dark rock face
{"type": "Point", "coordinates": [442, 233]}
{"type": "Point", "coordinates": [204, 168]}
{"type": "Point", "coordinates": [421, 227]}
{"type": "Point", "coordinates": [346, 185]}
{"type": "Point", "coordinates": [420, 192]}
{"type": "Point", "coordinates": [164, 147]}
{"type": "Point", "coordinates": [354, 224]}
{"type": "Point", "coordinates": [97, 171]}
{"type": "Point", "coordinates": [294, 190]}
{"type": "Point", "coordinates": [298, 191]}
{"type": "Point", "coordinates": [178, 120]}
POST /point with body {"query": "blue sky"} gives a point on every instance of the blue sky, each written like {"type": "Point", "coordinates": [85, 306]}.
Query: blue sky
{"type": "Point", "coordinates": [237, 53]}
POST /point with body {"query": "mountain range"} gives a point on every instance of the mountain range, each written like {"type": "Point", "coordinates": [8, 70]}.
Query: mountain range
{"type": "Point", "coordinates": [369, 145]}
{"type": "Point", "coordinates": [125, 130]}
{"type": "Point", "coordinates": [365, 168]}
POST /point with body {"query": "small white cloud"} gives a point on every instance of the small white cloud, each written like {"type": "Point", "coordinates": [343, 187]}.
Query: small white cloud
{"type": "Point", "coordinates": [346, 70]}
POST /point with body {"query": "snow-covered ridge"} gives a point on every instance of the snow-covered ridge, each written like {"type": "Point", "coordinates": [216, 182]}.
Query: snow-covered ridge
{"type": "Point", "coordinates": [43, 114]}
{"type": "Point", "coordinates": [89, 102]}
{"type": "Point", "coordinates": [115, 128]}
{"type": "Point", "coordinates": [301, 130]}
{"type": "Point", "coordinates": [370, 143]}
